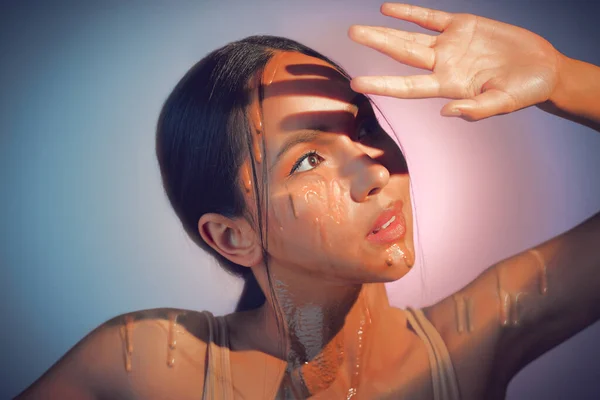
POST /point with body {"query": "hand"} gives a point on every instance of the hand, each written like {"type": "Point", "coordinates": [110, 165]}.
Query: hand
{"type": "Point", "coordinates": [489, 67]}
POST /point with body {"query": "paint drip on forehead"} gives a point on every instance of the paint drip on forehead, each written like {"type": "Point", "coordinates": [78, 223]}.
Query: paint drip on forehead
{"type": "Point", "coordinates": [257, 125]}
{"type": "Point", "coordinates": [254, 109]}
{"type": "Point", "coordinates": [254, 114]}
{"type": "Point", "coordinates": [272, 67]}
{"type": "Point", "coordinates": [285, 67]}
{"type": "Point", "coordinates": [268, 74]}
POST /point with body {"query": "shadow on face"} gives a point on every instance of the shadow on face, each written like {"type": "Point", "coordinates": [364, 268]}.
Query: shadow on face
{"type": "Point", "coordinates": [323, 101]}
{"type": "Point", "coordinates": [333, 173]}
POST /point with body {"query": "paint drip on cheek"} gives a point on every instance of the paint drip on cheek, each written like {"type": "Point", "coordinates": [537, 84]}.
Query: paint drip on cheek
{"type": "Point", "coordinates": [325, 203]}
{"type": "Point", "coordinates": [294, 212]}
{"type": "Point", "coordinates": [288, 217]}
{"type": "Point", "coordinates": [338, 207]}
{"type": "Point", "coordinates": [313, 211]}
{"type": "Point", "coordinates": [311, 203]}
{"type": "Point", "coordinates": [301, 211]}
{"type": "Point", "coordinates": [282, 210]}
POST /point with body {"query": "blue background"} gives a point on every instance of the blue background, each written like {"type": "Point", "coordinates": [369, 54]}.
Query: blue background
{"type": "Point", "coordinates": [87, 232]}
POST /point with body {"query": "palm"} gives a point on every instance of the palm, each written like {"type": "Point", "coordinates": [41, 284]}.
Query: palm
{"type": "Point", "coordinates": [489, 67]}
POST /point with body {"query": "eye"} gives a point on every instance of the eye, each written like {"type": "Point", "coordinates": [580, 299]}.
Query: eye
{"type": "Point", "coordinates": [307, 162]}
{"type": "Point", "coordinates": [367, 127]}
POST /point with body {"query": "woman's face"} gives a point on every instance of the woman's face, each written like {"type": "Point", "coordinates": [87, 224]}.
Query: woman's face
{"type": "Point", "coordinates": [339, 205]}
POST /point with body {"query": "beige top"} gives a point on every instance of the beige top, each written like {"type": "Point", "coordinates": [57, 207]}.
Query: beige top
{"type": "Point", "coordinates": [218, 383]}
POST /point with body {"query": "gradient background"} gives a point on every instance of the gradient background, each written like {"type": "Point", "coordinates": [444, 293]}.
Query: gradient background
{"type": "Point", "coordinates": [87, 232]}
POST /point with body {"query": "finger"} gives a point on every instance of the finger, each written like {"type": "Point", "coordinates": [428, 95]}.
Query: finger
{"type": "Point", "coordinates": [404, 51]}
{"type": "Point", "coordinates": [487, 104]}
{"type": "Point", "coordinates": [427, 18]}
{"type": "Point", "coordinates": [403, 87]}
{"type": "Point", "coordinates": [419, 38]}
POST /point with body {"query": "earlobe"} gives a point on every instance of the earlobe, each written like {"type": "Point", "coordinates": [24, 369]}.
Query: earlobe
{"type": "Point", "coordinates": [233, 238]}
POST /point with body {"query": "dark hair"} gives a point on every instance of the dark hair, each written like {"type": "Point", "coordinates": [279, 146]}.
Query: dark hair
{"type": "Point", "coordinates": [203, 137]}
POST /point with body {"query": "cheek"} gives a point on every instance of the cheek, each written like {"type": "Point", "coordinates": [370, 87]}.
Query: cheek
{"type": "Point", "coordinates": [310, 212]}
{"type": "Point", "coordinates": [310, 198]}
{"type": "Point", "coordinates": [338, 203]}
{"type": "Point", "coordinates": [322, 199]}
{"type": "Point", "coordinates": [296, 207]}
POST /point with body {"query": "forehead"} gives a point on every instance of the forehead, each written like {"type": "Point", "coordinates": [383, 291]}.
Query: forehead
{"type": "Point", "coordinates": [302, 91]}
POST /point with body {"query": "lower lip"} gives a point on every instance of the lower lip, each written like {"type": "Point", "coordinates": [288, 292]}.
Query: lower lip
{"type": "Point", "coordinates": [392, 233]}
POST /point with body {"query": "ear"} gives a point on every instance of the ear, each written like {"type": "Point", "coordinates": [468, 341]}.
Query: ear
{"type": "Point", "coordinates": [233, 238]}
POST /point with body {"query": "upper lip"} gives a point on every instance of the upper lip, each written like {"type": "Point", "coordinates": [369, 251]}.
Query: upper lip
{"type": "Point", "coordinates": [393, 210]}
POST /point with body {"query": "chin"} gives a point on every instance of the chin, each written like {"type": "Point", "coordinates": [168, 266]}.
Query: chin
{"type": "Point", "coordinates": [398, 273]}
{"type": "Point", "coordinates": [387, 273]}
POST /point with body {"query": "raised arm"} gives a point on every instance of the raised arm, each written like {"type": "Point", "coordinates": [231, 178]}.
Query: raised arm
{"type": "Point", "coordinates": [525, 305]}
{"type": "Point", "coordinates": [577, 95]}
{"type": "Point", "coordinates": [487, 67]}
{"type": "Point", "coordinates": [522, 307]}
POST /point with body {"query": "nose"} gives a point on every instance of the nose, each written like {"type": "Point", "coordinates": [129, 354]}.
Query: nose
{"type": "Point", "coordinates": [369, 177]}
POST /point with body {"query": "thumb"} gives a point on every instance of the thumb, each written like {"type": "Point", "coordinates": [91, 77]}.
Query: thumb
{"type": "Point", "coordinates": [487, 104]}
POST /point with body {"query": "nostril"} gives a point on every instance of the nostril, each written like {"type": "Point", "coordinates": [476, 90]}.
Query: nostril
{"type": "Point", "coordinates": [374, 191]}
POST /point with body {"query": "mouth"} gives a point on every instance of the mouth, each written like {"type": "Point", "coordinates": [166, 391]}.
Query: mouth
{"type": "Point", "coordinates": [389, 226]}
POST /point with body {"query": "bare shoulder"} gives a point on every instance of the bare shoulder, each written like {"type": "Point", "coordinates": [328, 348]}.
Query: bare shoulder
{"type": "Point", "coordinates": [521, 307]}
{"type": "Point", "coordinates": [470, 324]}
{"type": "Point", "coordinates": [154, 353]}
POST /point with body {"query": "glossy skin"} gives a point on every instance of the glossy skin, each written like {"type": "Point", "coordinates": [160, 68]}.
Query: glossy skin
{"type": "Point", "coordinates": [473, 62]}
{"type": "Point", "coordinates": [326, 194]}
{"type": "Point", "coordinates": [335, 195]}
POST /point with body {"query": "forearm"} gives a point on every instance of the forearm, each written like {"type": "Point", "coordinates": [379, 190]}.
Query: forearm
{"type": "Point", "coordinates": [577, 95]}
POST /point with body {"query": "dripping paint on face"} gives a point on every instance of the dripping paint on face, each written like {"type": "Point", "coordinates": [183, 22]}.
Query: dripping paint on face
{"type": "Point", "coordinates": [245, 177]}
{"type": "Point", "coordinates": [257, 151]}
{"type": "Point", "coordinates": [332, 176]}
{"type": "Point", "coordinates": [399, 252]}
{"type": "Point", "coordinates": [324, 174]}
{"type": "Point", "coordinates": [394, 255]}
{"type": "Point", "coordinates": [255, 109]}
{"type": "Point", "coordinates": [315, 209]}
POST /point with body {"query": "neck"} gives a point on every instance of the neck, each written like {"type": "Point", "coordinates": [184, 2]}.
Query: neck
{"type": "Point", "coordinates": [326, 326]}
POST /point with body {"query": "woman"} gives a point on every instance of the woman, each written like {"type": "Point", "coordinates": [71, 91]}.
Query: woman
{"type": "Point", "coordinates": [274, 162]}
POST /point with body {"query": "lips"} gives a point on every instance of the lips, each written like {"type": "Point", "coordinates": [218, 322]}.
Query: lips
{"type": "Point", "coordinates": [389, 226]}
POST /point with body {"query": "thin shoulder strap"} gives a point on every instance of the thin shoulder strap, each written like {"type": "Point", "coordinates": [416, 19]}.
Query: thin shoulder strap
{"type": "Point", "coordinates": [445, 384]}
{"type": "Point", "coordinates": [218, 384]}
